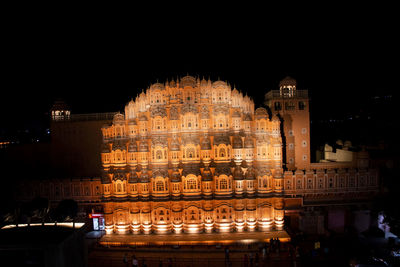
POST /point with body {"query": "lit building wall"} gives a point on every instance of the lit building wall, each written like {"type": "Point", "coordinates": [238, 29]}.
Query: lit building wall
{"type": "Point", "coordinates": [292, 107]}
{"type": "Point", "coordinates": [190, 141]}
{"type": "Point", "coordinates": [195, 148]}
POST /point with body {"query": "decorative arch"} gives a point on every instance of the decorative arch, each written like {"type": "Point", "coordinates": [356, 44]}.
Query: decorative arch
{"type": "Point", "coordinates": [191, 183]}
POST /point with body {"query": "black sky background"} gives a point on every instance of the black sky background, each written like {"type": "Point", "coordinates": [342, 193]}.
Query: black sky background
{"type": "Point", "coordinates": [97, 63]}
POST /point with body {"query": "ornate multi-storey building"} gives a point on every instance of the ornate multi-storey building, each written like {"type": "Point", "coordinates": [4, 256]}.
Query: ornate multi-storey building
{"type": "Point", "coordinates": [192, 155]}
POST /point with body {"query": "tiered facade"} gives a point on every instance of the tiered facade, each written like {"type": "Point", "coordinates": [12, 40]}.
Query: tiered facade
{"type": "Point", "coordinates": [190, 156]}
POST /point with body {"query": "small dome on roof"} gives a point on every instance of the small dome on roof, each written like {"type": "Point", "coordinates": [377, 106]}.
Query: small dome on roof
{"type": "Point", "coordinates": [205, 144]}
{"type": "Point", "coordinates": [145, 177]}
{"type": "Point", "coordinates": [157, 86]}
{"type": "Point", "coordinates": [221, 139]}
{"type": "Point", "coordinates": [248, 142]}
{"type": "Point", "coordinates": [237, 142]}
{"type": "Point", "coordinates": [175, 176]}
{"type": "Point", "coordinates": [119, 144]}
{"type": "Point", "coordinates": [143, 146]}
{"type": "Point", "coordinates": [105, 178]}
{"type": "Point", "coordinates": [275, 118]}
{"type": "Point", "coordinates": [158, 173]}
{"type": "Point", "coordinates": [143, 118]}
{"type": "Point", "coordinates": [172, 83]}
{"type": "Point", "coordinates": [212, 163]}
{"type": "Point", "coordinates": [132, 146]}
{"type": "Point", "coordinates": [287, 81]}
{"type": "Point", "coordinates": [133, 177]}
{"type": "Point", "coordinates": [251, 174]}
{"type": "Point", "coordinates": [247, 117]}
{"type": "Point", "coordinates": [238, 173]}
{"type": "Point", "coordinates": [175, 145]}
{"type": "Point", "coordinates": [236, 114]}
{"type": "Point", "coordinates": [203, 83]}
{"type": "Point", "coordinates": [118, 118]}
{"type": "Point", "coordinates": [223, 169]}
{"type": "Point", "coordinates": [190, 170]}
{"type": "Point", "coordinates": [261, 111]}
{"type": "Point", "coordinates": [187, 81]}
{"type": "Point", "coordinates": [59, 105]}
{"type": "Point", "coordinates": [207, 175]}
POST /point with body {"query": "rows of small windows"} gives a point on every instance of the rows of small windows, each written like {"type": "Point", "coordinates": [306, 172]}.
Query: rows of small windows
{"type": "Point", "coordinates": [330, 182]}
{"type": "Point", "coordinates": [61, 190]}
{"type": "Point", "coordinates": [189, 123]}
{"type": "Point", "coordinates": [290, 105]}
{"type": "Point", "coordinates": [188, 185]}
{"type": "Point", "coordinates": [222, 152]}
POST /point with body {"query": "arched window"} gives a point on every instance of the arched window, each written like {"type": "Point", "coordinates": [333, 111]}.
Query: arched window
{"type": "Point", "coordinates": [119, 187]}
{"type": "Point", "coordinates": [191, 184]}
{"type": "Point", "coordinates": [159, 154]}
{"type": "Point", "coordinates": [158, 124]}
{"type": "Point", "coordinates": [160, 186]}
{"type": "Point", "coordinates": [222, 152]}
{"type": "Point", "coordinates": [223, 184]}
{"type": "Point", "coordinates": [190, 153]}
{"type": "Point", "coordinates": [221, 123]}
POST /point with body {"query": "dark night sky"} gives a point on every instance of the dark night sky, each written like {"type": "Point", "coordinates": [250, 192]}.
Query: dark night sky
{"type": "Point", "coordinates": [98, 66]}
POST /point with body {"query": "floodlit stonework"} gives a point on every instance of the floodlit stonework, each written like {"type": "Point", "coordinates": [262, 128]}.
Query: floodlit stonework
{"type": "Point", "coordinates": [196, 156]}
{"type": "Point", "coordinates": [192, 155]}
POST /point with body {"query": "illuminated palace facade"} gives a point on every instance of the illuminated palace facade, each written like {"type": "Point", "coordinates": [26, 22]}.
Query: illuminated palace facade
{"type": "Point", "coordinates": [196, 156]}
{"type": "Point", "coordinates": [192, 156]}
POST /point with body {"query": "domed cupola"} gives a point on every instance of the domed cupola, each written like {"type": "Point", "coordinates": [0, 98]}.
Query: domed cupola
{"type": "Point", "coordinates": [176, 176]}
{"type": "Point", "coordinates": [118, 118]}
{"type": "Point", "coordinates": [174, 146]}
{"type": "Point", "coordinates": [223, 169]}
{"type": "Point", "coordinates": [143, 117]}
{"type": "Point", "coordinates": [132, 146]}
{"type": "Point", "coordinates": [261, 113]}
{"type": "Point", "coordinates": [275, 118]}
{"type": "Point", "coordinates": [159, 172]}
{"type": "Point", "coordinates": [288, 81]}
{"type": "Point", "coordinates": [250, 174]}
{"type": "Point", "coordinates": [105, 148]}
{"type": "Point", "coordinates": [237, 142]}
{"type": "Point", "coordinates": [221, 139]}
{"type": "Point", "coordinates": [248, 142]}
{"type": "Point", "coordinates": [119, 144]}
{"type": "Point", "coordinates": [238, 173]}
{"type": "Point", "coordinates": [119, 174]}
{"type": "Point", "coordinates": [203, 83]}
{"type": "Point", "coordinates": [207, 175]}
{"type": "Point", "coordinates": [236, 114]}
{"type": "Point", "coordinates": [190, 170]}
{"type": "Point", "coordinates": [247, 117]}
{"type": "Point", "coordinates": [145, 176]}
{"type": "Point", "coordinates": [105, 178]}
{"type": "Point", "coordinates": [133, 177]}
{"type": "Point", "coordinates": [132, 122]}
{"type": "Point", "coordinates": [143, 146]}
{"type": "Point", "coordinates": [157, 86]}
{"type": "Point", "coordinates": [205, 143]}
{"type": "Point", "coordinates": [287, 87]}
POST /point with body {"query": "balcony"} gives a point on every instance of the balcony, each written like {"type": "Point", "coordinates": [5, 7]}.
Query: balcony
{"type": "Point", "coordinates": [274, 94]}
